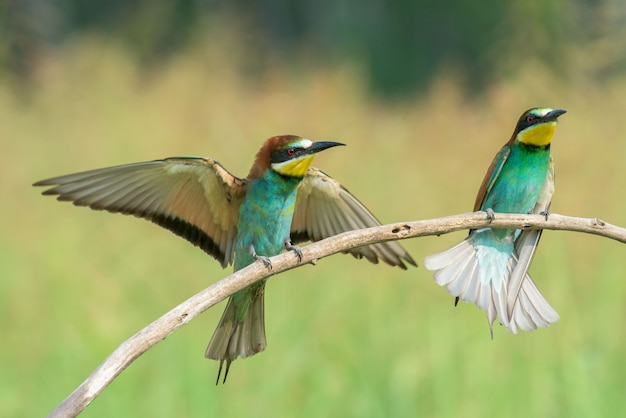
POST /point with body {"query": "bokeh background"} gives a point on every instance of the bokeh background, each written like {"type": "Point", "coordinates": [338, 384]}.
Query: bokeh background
{"type": "Point", "coordinates": [423, 92]}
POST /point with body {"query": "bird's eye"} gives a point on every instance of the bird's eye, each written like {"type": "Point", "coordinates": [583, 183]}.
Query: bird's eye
{"type": "Point", "coordinates": [291, 152]}
{"type": "Point", "coordinates": [530, 118]}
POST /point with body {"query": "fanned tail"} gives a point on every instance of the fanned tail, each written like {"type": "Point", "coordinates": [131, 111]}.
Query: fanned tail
{"type": "Point", "coordinates": [238, 338]}
{"type": "Point", "coordinates": [457, 269]}
{"type": "Point", "coordinates": [513, 298]}
{"type": "Point", "coordinates": [529, 310]}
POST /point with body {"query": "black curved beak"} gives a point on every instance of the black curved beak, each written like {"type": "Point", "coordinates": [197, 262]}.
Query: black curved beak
{"type": "Point", "coordinates": [321, 146]}
{"type": "Point", "coordinates": [553, 115]}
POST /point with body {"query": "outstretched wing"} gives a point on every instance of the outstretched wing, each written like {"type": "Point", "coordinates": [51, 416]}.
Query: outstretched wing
{"type": "Point", "coordinates": [325, 208]}
{"type": "Point", "coordinates": [490, 177]}
{"type": "Point", "coordinates": [194, 197]}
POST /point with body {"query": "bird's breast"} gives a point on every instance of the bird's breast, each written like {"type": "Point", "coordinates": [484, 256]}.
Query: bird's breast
{"type": "Point", "coordinates": [264, 220]}
{"type": "Point", "coordinates": [519, 183]}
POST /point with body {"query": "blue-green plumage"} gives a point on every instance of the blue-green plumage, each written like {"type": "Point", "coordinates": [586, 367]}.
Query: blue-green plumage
{"type": "Point", "coordinates": [489, 268]}
{"type": "Point", "coordinates": [236, 220]}
{"type": "Point", "coordinates": [265, 219]}
{"type": "Point", "coordinates": [271, 197]}
{"type": "Point", "coordinates": [263, 231]}
{"type": "Point", "coordinates": [518, 180]}
{"type": "Point", "coordinates": [519, 175]}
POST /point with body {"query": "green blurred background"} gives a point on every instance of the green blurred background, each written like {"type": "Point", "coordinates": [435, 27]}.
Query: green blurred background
{"type": "Point", "coordinates": [423, 92]}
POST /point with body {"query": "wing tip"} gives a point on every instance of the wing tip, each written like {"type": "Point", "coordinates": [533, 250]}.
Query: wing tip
{"type": "Point", "coordinates": [48, 192]}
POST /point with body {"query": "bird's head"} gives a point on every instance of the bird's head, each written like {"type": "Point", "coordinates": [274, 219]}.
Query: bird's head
{"type": "Point", "coordinates": [288, 155]}
{"type": "Point", "coordinates": [536, 126]}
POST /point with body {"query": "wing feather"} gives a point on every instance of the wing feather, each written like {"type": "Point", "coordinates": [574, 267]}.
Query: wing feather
{"type": "Point", "coordinates": [325, 208]}
{"type": "Point", "coordinates": [490, 177]}
{"type": "Point", "coordinates": [194, 197]}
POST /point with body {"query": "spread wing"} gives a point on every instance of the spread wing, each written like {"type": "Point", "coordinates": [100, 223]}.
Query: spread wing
{"type": "Point", "coordinates": [325, 208]}
{"type": "Point", "coordinates": [194, 197]}
{"type": "Point", "coordinates": [526, 243]}
{"type": "Point", "coordinates": [490, 177]}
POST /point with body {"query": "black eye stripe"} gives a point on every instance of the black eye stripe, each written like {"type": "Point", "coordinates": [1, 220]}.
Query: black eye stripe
{"type": "Point", "coordinates": [284, 155]}
{"type": "Point", "coordinates": [527, 120]}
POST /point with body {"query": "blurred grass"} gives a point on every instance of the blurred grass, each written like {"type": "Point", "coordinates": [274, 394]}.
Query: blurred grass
{"type": "Point", "coordinates": [346, 338]}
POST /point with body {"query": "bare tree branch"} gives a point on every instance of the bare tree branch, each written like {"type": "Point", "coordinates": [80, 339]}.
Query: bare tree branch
{"type": "Point", "coordinates": [139, 343]}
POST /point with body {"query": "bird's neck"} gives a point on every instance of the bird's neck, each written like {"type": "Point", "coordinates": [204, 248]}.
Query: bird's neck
{"type": "Point", "coordinates": [273, 176]}
{"type": "Point", "coordinates": [530, 148]}
{"type": "Point", "coordinates": [275, 184]}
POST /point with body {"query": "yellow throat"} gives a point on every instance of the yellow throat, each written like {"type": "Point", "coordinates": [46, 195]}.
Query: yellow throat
{"type": "Point", "coordinates": [538, 135]}
{"type": "Point", "coordinates": [294, 168]}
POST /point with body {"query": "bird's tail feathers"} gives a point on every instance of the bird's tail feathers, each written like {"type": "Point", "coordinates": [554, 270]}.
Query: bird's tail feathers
{"type": "Point", "coordinates": [458, 269]}
{"type": "Point", "coordinates": [528, 309]}
{"type": "Point", "coordinates": [531, 309]}
{"type": "Point", "coordinates": [234, 338]}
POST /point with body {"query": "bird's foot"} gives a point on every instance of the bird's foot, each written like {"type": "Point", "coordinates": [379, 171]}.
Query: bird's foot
{"type": "Point", "coordinates": [266, 260]}
{"type": "Point", "coordinates": [546, 212]}
{"type": "Point", "coordinates": [490, 215]}
{"type": "Point", "coordinates": [294, 248]}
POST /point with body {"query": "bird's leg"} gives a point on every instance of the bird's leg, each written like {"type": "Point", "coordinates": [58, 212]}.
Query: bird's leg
{"type": "Point", "coordinates": [490, 215]}
{"type": "Point", "coordinates": [294, 248]}
{"type": "Point", "coordinates": [266, 260]}
{"type": "Point", "coordinates": [546, 211]}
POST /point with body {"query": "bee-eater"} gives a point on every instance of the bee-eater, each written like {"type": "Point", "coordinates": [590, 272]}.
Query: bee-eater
{"type": "Point", "coordinates": [490, 267]}
{"type": "Point", "coordinates": [281, 202]}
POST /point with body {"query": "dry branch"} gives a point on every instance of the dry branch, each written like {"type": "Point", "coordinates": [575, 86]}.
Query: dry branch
{"type": "Point", "coordinates": [139, 343]}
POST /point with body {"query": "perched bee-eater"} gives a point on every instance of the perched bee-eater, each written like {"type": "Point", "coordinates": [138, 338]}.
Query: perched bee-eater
{"type": "Point", "coordinates": [490, 267]}
{"type": "Point", "coordinates": [282, 201]}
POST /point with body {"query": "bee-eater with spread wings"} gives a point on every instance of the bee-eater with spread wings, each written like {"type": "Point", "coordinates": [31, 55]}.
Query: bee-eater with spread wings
{"type": "Point", "coordinates": [490, 267]}
{"type": "Point", "coordinates": [282, 201]}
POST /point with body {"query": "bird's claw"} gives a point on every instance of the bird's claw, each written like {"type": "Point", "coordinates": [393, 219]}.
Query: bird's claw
{"type": "Point", "coordinates": [546, 211]}
{"type": "Point", "coordinates": [298, 252]}
{"type": "Point", "coordinates": [266, 261]}
{"type": "Point", "coordinates": [294, 248]}
{"type": "Point", "coordinates": [490, 215]}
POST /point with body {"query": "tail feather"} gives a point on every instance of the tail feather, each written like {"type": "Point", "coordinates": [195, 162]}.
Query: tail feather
{"type": "Point", "coordinates": [252, 330]}
{"type": "Point", "coordinates": [473, 289]}
{"type": "Point", "coordinates": [528, 309]}
{"type": "Point", "coordinates": [525, 247]}
{"type": "Point", "coordinates": [459, 270]}
{"type": "Point", "coordinates": [238, 338]}
{"type": "Point", "coordinates": [531, 309]}
{"type": "Point", "coordinates": [446, 257]}
{"type": "Point", "coordinates": [462, 267]}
